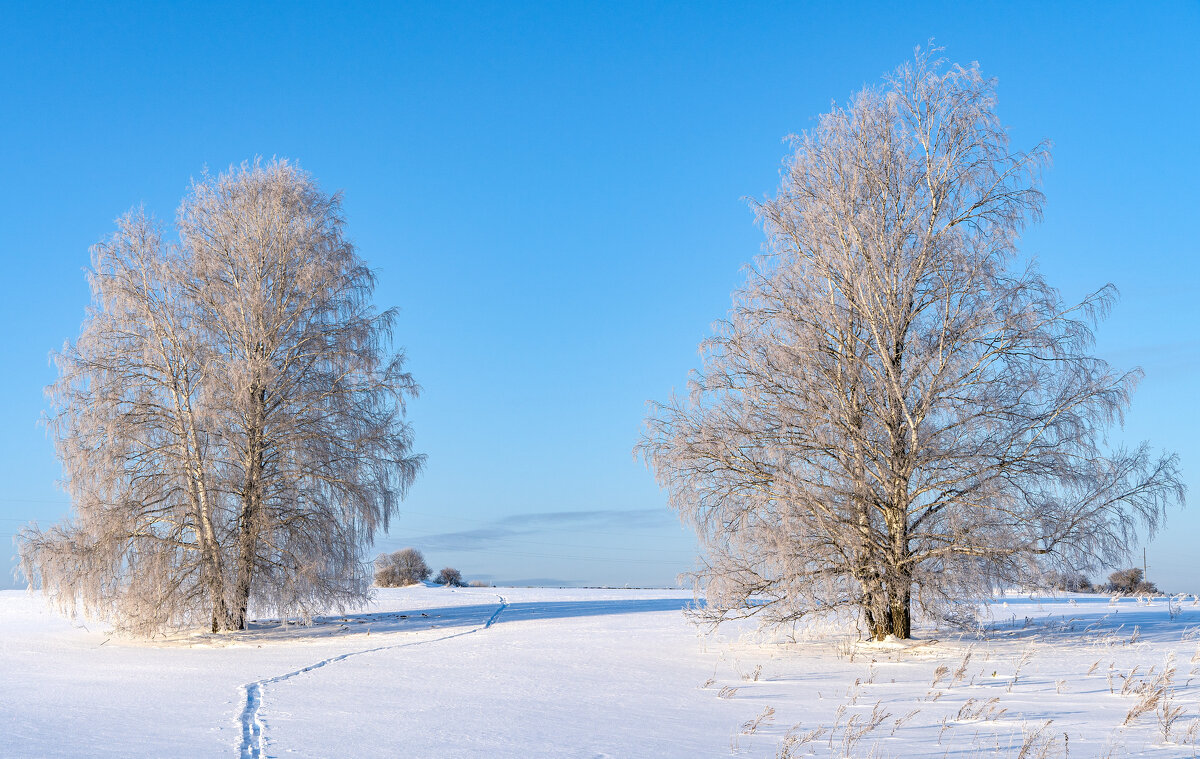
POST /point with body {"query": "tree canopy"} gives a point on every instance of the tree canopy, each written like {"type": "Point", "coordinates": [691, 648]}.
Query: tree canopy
{"type": "Point", "coordinates": [898, 403]}
{"type": "Point", "coordinates": [230, 420]}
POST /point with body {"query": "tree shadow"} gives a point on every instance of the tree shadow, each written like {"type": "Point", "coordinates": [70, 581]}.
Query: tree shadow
{"type": "Point", "coordinates": [1100, 620]}
{"type": "Point", "coordinates": [445, 617]}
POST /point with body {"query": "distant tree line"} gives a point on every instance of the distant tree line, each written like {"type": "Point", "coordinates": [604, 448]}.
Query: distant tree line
{"type": "Point", "coordinates": [1125, 582]}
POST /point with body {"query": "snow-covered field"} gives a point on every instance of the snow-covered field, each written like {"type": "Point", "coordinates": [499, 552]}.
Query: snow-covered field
{"type": "Point", "coordinates": [507, 672]}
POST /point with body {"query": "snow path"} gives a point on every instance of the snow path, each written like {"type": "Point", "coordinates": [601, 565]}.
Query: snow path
{"type": "Point", "coordinates": [252, 727]}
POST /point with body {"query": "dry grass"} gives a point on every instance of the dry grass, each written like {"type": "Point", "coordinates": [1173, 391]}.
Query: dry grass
{"type": "Point", "coordinates": [753, 675]}
{"type": "Point", "coordinates": [939, 674]}
{"type": "Point", "coordinates": [750, 727]}
{"type": "Point", "coordinates": [1152, 693]}
{"type": "Point", "coordinates": [1026, 657]}
{"type": "Point", "coordinates": [982, 727]}
{"type": "Point", "coordinates": [901, 720]}
{"type": "Point", "coordinates": [978, 709]}
{"type": "Point", "coordinates": [1040, 743]}
{"type": "Point", "coordinates": [960, 674]}
{"type": "Point", "coordinates": [795, 740]}
{"type": "Point", "coordinates": [858, 726]}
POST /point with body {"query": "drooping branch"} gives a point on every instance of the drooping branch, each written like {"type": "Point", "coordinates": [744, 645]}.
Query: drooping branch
{"type": "Point", "coordinates": [896, 403]}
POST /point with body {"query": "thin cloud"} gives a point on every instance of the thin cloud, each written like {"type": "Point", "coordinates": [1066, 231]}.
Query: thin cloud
{"type": "Point", "coordinates": [519, 525]}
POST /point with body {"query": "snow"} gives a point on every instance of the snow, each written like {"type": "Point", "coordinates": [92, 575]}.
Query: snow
{"type": "Point", "coordinates": [538, 672]}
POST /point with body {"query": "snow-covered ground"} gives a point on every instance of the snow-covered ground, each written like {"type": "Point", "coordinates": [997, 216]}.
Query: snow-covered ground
{"type": "Point", "coordinates": [507, 672]}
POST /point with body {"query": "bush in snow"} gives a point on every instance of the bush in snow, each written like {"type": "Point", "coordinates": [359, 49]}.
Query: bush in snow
{"type": "Point", "coordinates": [404, 567]}
{"type": "Point", "coordinates": [450, 577]}
{"type": "Point", "coordinates": [1131, 582]}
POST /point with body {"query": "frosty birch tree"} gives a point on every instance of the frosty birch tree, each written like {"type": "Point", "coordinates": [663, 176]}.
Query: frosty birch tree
{"type": "Point", "coordinates": [144, 546]}
{"type": "Point", "coordinates": [317, 453]}
{"type": "Point", "coordinates": [898, 404]}
{"type": "Point", "coordinates": [231, 419]}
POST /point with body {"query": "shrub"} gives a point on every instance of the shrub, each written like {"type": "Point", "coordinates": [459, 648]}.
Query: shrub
{"type": "Point", "coordinates": [1131, 582]}
{"type": "Point", "coordinates": [404, 567]}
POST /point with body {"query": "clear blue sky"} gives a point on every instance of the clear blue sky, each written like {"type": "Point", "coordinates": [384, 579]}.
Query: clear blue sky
{"type": "Point", "coordinates": [553, 196]}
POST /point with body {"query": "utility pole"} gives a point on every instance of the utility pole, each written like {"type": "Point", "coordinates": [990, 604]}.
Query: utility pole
{"type": "Point", "coordinates": [1145, 567]}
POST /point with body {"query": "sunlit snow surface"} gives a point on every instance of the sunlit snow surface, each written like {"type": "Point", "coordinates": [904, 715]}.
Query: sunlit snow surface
{"type": "Point", "coordinates": [529, 672]}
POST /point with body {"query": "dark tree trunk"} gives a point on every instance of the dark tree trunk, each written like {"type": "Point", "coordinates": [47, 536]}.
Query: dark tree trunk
{"type": "Point", "coordinates": [900, 612]}
{"type": "Point", "coordinates": [251, 518]}
{"type": "Point", "coordinates": [900, 584]}
{"type": "Point", "coordinates": [247, 545]}
{"type": "Point", "coordinates": [220, 610]}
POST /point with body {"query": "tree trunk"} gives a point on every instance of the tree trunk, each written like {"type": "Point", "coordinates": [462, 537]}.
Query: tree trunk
{"type": "Point", "coordinates": [875, 624]}
{"type": "Point", "coordinates": [894, 615]}
{"type": "Point", "coordinates": [250, 520]}
{"type": "Point", "coordinates": [211, 567]}
{"type": "Point", "coordinates": [248, 528]}
{"type": "Point", "coordinates": [216, 586]}
{"type": "Point", "coordinates": [247, 545]}
{"type": "Point", "coordinates": [900, 611]}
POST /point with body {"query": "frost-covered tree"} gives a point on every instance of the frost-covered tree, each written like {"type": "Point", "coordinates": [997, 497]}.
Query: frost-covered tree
{"type": "Point", "coordinates": [316, 450]}
{"type": "Point", "coordinates": [131, 429]}
{"type": "Point", "coordinates": [899, 408]}
{"type": "Point", "coordinates": [1131, 582]}
{"type": "Point", "coordinates": [400, 568]}
{"type": "Point", "coordinates": [231, 419]}
{"type": "Point", "coordinates": [450, 577]}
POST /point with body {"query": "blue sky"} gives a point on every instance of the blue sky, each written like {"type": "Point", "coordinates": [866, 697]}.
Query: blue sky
{"type": "Point", "coordinates": [553, 195]}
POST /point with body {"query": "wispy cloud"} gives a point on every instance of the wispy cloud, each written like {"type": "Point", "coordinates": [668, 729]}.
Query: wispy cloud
{"type": "Point", "coordinates": [617, 521]}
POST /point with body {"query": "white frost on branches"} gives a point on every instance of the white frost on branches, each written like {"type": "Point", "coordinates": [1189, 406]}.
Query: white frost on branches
{"type": "Point", "coordinates": [230, 420]}
{"type": "Point", "coordinates": [897, 403]}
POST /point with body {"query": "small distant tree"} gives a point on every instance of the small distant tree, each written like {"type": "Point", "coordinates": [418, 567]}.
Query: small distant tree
{"type": "Point", "coordinates": [450, 577]}
{"type": "Point", "coordinates": [1131, 582]}
{"type": "Point", "coordinates": [399, 568]}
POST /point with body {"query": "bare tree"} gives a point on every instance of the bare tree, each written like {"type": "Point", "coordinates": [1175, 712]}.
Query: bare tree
{"type": "Point", "coordinates": [1131, 582]}
{"type": "Point", "coordinates": [399, 568]}
{"type": "Point", "coordinates": [144, 548]}
{"type": "Point", "coordinates": [450, 577]}
{"type": "Point", "coordinates": [318, 455]}
{"type": "Point", "coordinates": [230, 420]}
{"type": "Point", "coordinates": [897, 403]}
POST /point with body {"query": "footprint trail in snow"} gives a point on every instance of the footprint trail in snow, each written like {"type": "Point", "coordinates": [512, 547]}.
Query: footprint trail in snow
{"type": "Point", "coordinates": [252, 727]}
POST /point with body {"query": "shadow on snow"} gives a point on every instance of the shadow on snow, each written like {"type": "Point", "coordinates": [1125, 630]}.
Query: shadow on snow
{"type": "Point", "coordinates": [421, 619]}
{"type": "Point", "coordinates": [1090, 619]}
